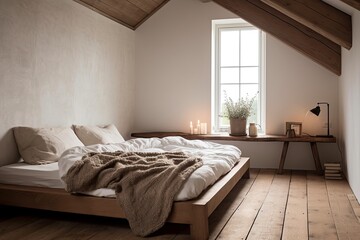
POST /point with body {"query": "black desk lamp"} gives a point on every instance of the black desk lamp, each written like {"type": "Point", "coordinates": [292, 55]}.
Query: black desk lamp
{"type": "Point", "coordinates": [316, 111]}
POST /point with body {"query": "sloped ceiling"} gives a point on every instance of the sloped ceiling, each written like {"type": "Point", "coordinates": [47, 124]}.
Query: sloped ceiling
{"type": "Point", "coordinates": [313, 27]}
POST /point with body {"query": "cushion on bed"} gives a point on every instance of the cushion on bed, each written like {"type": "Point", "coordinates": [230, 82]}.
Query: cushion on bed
{"type": "Point", "coordinates": [44, 145]}
{"type": "Point", "coordinates": [90, 135]}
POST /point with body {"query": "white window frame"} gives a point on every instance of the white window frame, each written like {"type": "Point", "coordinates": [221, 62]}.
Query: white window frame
{"type": "Point", "coordinates": [215, 74]}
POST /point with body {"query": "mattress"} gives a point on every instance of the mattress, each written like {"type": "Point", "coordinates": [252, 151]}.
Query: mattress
{"type": "Point", "coordinates": [46, 175]}
{"type": "Point", "coordinates": [21, 173]}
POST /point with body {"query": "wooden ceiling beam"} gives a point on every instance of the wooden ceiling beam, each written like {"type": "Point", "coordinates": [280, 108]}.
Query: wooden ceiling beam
{"type": "Point", "coordinates": [319, 16]}
{"type": "Point", "coordinates": [296, 35]}
{"type": "Point", "coordinates": [353, 3]}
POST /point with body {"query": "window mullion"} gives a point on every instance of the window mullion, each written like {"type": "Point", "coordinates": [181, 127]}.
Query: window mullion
{"type": "Point", "coordinates": [218, 79]}
{"type": "Point", "coordinates": [240, 64]}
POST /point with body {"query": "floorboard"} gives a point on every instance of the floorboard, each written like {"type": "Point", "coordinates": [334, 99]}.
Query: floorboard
{"type": "Point", "coordinates": [222, 215]}
{"type": "Point", "coordinates": [25, 229]}
{"type": "Point", "coordinates": [295, 205]}
{"type": "Point", "coordinates": [269, 222]}
{"type": "Point", "coordinates": [355, 205]}
{"type": "Point", "coordinates": [321, 221]}
{"type": "Point", "coordinates": [12, 224]}
{"type": "Point", "coordinates": [346, 222]}
{"type": "Point", "coordinates": [296, 218]}
{"type": "Point", "coordinates": [240, 223]}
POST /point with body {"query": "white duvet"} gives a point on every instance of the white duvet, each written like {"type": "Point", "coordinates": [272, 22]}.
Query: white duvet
{"type": "Point", "coordinates": [217, 159]}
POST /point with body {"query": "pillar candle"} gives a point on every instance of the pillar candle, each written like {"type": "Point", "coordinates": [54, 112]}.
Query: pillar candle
{"type": "Point", "coordinates": [203, 128]}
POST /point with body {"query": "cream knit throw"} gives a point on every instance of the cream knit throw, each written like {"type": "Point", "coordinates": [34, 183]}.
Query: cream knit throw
{"type": "Point", "coordinates": [145, 183]}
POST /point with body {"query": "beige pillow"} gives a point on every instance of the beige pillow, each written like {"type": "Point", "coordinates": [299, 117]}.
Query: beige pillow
{"type": "Point", "coordinates": [90, 135]}
{"type": "Point", "coordinates": [44, 145]}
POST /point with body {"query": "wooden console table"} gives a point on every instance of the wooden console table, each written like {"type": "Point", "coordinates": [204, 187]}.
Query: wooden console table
{"type": "Point", "coordinates": [261, 138]}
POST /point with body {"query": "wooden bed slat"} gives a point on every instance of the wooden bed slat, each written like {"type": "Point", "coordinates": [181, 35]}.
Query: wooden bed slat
{"type": "Point", "coordinates": [58, 200]}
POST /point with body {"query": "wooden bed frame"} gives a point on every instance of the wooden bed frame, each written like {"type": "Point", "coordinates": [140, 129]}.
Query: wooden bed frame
{"type": "Point", "coordinates": [194, 212]}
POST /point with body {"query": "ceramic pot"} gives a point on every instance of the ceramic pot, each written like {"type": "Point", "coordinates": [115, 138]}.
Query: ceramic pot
{"type": "Point", "coordinates": [238, 127]}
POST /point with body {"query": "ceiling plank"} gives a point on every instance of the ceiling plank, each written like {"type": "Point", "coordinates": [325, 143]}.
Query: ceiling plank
{"type": "Point", "coordinates": [91, 6]}
{"type": "Point", "coordinates": [353, 3]}
{"type": "Point", "coordinates": [130, 13]}
{"type": "Point", "coordinates": [296, 35]}
{"type": "Point", "coordinates": [147, 6]}
{"type": "Point", "coordinates": [318, 18]}
{"type": "Point", "coordinates": [120, 11]}
{"type": "Point", "coordinates": [158, 1]}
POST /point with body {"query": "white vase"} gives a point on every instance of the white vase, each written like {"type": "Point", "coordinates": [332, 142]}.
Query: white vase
{"type": "Point", "coordinates": [252, 130]}
{"type": "Point", "coordinates": [237, 127]}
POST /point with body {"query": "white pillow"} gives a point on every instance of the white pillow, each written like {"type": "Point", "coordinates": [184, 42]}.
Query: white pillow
{"type": "Point", "coordinates": [44, 145]}
{"type": "Point", "coordinates": [90, 135]}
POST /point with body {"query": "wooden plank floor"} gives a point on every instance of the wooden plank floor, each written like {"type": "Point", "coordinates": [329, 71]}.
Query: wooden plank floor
{"type": "Point", "coordinates": [295, 205]}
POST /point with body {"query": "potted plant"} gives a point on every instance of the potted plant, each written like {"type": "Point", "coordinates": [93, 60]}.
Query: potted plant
{"type": "Point", "coordinates": [238, 112]}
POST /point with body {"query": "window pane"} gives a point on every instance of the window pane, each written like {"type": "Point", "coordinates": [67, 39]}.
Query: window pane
{"type": "Point", "coordinates": [254, 116]}
{"type": "Point", "coordinates": [249, 75]}
{"type": "Point", "coordinates": [229, 48]}
{"type": "Point", "coordinates": [231, 91]}
{"type": "Point", "coordinates": [250, 47]}
{"type": "Point", "coordinates": [249, 90]}
{"type": "Point", "coordinates": [229, 75]}
{"type": "Point", "coordinates": [224, 122]}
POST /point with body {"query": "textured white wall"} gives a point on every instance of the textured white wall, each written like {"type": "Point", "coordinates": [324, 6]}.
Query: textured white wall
{"type": "Point", "coordinates": [349, 98]}
{"type": "Point", "coordinates": [173, 83]}
{"type": "Point", "coordinates": [62, 64]}
{"type": "Point", "coordinates": [349, 86]}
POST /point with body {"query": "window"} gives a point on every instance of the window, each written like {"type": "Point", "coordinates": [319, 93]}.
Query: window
{"type": "Point", "coordinates": [238, 66]}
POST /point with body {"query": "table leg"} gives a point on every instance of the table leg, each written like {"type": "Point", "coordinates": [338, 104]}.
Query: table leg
{"type": "Point", "coordinates": [283, 156]}
{"type": "Point", "coordinates": [316, 157]}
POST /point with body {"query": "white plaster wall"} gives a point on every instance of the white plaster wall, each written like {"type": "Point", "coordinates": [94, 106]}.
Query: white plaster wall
{"type": "Point", "coordinates": [349, 86]}
{"type": "Point", "coordinates": [62, 64]}
{"type": "Point", "coordinates": [173, 83]}
{"type": "Point", "coordinates": [349, 99]}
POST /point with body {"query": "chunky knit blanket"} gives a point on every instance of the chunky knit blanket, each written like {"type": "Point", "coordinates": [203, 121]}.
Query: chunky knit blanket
{"type": "Point", "coordinates": [145, 183]}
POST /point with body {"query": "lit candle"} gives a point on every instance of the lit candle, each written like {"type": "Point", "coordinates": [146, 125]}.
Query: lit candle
{"type": "Point", "coordinates": [196, 131]}
{"type": "Point", "coordinates": [203, 128]}
{"type": "Point", "coordinates": [191, 128]}
{"type": "Point", "coordinates": [198, 126]}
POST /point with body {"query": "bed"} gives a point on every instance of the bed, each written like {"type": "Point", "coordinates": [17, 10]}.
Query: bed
{"type": "Point", "coordinates": [32, 191]}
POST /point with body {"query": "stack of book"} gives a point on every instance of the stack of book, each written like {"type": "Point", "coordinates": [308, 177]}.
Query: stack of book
{"type": "Point", "coordinates": [332, 171]}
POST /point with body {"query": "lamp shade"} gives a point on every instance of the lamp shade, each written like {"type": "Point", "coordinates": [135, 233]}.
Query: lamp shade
{"type": "Point", "coordinates": [316, 110]}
